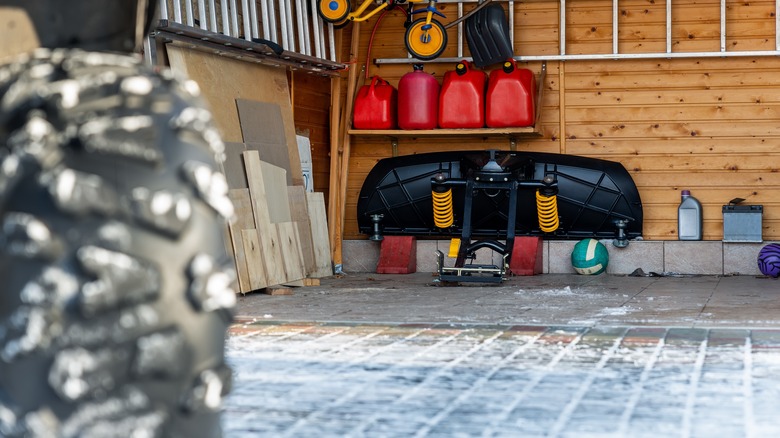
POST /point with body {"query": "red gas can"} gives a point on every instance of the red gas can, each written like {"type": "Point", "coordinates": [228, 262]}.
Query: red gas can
{"type": "Point", "coordinates": [375, 106]}
{"type": "Point", "coordinates": [510, 97]}
{"type": "Point", "coordinates": [418, 100]}
{"type": "Point", "coordinates": [462, 99]}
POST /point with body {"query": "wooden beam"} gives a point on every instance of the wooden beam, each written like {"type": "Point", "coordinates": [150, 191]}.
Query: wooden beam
{"type": "Point", "coordinates": [344, 127]}
{"type": "Point", "coordinates": [335, 165]}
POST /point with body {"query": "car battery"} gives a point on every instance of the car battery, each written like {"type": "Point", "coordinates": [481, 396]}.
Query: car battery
{"type": "Point", "coordinates": [742, 223]}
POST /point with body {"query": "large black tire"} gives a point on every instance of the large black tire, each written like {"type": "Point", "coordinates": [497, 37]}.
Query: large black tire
{"type": "Point", "coordinates": [116, 288]}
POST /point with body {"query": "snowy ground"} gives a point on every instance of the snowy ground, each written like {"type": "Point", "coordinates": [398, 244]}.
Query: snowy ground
{"type": "Point", "coordinates": [375, 380]}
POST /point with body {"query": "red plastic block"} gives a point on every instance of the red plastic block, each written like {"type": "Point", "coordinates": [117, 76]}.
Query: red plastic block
{"type": "Point", "coordinates": [397, 255]}
{"type": "Point", "coordinates": [527, 256]}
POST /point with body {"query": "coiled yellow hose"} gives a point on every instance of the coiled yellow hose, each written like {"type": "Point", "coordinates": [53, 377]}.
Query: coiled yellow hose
{"type": "Point", "coordinates": [547, 209]}
{"type": "Point", "coordinates": [442, 209]}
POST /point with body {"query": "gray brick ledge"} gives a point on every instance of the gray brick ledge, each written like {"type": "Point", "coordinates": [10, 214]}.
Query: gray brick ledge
{"type": "Point", "coordinates": [706, 257]}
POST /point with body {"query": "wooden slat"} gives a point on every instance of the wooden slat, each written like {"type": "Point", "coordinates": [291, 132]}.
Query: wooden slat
{"type": "Point", "coordinates": [228, 242]}
{"type": "Point", "coordinates": [242, 205]}
{"type": "Point", "coordinates": [334, 198]}
{"type": "Point", "coordinates": [715, 197]}
{"type": "Point", "coordinates": [743, 162]}
{"type": "Point", "coordinates": [319, 232]}
{"type": "Point", "coordinates": [239, 255]}
{"type": "Point", "coordinates": [610, 147]}
{"type": "Point", "coordinates": [735, 113]}
{"type": "Point", "coordinates": [255, 259]}
{"type": "Point", "coordinates": [680, 65]}
{"type": "Point", "coordinates": [652, 80]}
{"type": "Point", "coordinates": [675, 97]}
{"type": "Point", "coordinates": [275, 182]}
{"type": "Point", "coordinates": [703, 179]}
{"type": "Point", "coordinates": [338, 193]}
{"type": "Point", "coordinates": [267, 234]}
{"type": "Point", "coordinates": [300, 216]}
{"type": "Point", "coordinates": [663, 129]}
{"type": "Point", "coordinates": [278, 290]}
{"type": "Point", "coordinates": [710, 212]}
{"type": "Point", "coordinates": [292, 259]}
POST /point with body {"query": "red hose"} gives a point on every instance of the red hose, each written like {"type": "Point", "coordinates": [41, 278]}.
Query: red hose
{"type": "Point", "coordinates": [373, 32]}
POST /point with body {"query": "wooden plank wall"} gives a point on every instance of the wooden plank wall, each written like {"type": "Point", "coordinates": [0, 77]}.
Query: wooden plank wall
{"type": "Point", "coordinates": [311, 113]}
{"type": "Point", "coordinates": [707, 124]}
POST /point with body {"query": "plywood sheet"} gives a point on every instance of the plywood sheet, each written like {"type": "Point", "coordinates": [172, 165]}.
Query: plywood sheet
{"type": "Point", "coordinates": [244, 219]}
{"type": "Point", "coordinates": [239, 256]}
{"type": "Point", "coordinates": [242, 204]}
{"type": "Point", "coordinates": [273, 154]}
{"type": "Point", "coordinates": [261, 122]}
{"type": "Point", "coordinates": [262, 128]}
{"type": "Point", "coordinates": [291, 251]}
{"type": "Point", "coordinates": [233, 166]}
{"type": "Point", "coordinates": [275, 182]}
{"type": "Point", "coordinates": [319, 232]}
{"type": "Point", "coordinates": [255, 259]}
{"type": "Point", "coordinates": [299, 211]}
{"type": "Point", "coordinates": [267, 234]}
{"type": "Point", "coordinates": [222, 80]}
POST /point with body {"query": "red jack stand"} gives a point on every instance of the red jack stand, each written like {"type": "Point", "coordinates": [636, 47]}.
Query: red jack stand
{"type": "Point", "coordinates": [397, 255]}
{"type": "Point", "coordinates": [527, 256]}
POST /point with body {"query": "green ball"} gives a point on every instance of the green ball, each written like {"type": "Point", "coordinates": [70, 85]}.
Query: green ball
{"type": "Point", "coordinates": [589, 257]}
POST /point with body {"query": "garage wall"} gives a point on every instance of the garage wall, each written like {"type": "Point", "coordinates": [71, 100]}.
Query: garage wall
{"type": "Point", "coordinates": [707, 124]}
{"type": "Point", "coordinates": [311, 112]}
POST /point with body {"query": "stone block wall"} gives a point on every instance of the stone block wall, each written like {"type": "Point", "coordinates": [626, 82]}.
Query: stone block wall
{"type": "Point", "coordinates": [671, 256]}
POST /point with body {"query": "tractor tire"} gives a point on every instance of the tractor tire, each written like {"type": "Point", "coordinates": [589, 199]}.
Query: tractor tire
{"type": "Point", "coordinates": [116, 287]}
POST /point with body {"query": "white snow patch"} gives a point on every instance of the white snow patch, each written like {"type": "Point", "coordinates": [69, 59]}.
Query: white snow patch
{"type": "Point", "coordinates": [617, 311]}
{"type": "Point", "coordinates": [566, 292]}
{"type": "Point", "coordinates": [549, 292]}
{"type": "Point", "coordinates": [365, 289]}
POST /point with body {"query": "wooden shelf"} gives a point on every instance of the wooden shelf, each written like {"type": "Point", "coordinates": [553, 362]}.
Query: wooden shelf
{"type": "Point", "coordinates": [394, 134]}
{"type": "Point", "coordinates": [481, 132]}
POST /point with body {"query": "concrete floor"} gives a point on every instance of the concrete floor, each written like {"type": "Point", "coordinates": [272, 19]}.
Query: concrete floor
{"type": "Point", "coordinates": [561, 299]}
{"type": "Point", "coordinates": [547, 356]}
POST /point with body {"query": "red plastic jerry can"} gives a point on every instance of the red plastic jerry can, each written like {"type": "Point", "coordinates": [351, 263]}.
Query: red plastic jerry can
{"type": "Point", "coordinates": [510, 97]}
{"type": "Point", "coordinates": [418, 100]}
{"type": "Point", "coordinates": [462, 98]}
{"type": "Point", "coordinates": [376, 106]}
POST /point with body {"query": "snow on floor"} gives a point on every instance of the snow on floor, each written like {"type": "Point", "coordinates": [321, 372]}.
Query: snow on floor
{"type": "Point", "coordinates": [339, 380]}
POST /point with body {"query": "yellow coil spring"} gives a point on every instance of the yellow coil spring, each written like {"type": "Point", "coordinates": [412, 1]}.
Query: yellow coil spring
{"type": "Point", "coordinates": [547, 209]}
{"type": "Point", "coordinates": [442, 209]}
